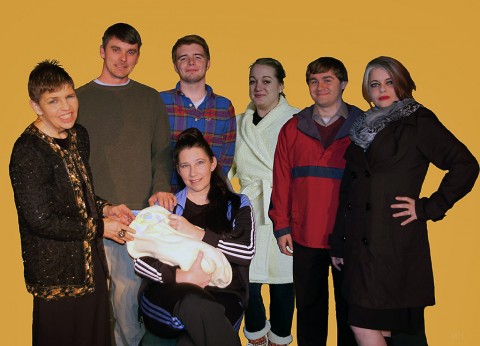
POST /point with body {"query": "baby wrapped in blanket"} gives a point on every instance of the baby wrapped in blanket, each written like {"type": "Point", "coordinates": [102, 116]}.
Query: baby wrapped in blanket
{"type": "Point", "coordinates": [155, 238]}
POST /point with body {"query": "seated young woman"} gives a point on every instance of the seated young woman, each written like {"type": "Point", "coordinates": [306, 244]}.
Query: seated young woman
{"type": "Point", "coordinates": [179, 304]}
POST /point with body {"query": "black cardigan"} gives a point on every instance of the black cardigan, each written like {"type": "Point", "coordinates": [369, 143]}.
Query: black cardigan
{"type": "Point", "coordinates": [57, 234]}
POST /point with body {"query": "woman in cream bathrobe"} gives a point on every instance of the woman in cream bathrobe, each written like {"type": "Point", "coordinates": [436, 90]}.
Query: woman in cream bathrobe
{"type": "Point", "coordinates": [257, 133]}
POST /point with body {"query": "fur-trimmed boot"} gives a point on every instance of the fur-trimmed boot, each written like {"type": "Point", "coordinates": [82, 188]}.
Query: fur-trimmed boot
{"type": "Point", "coordinates": [263, 341]}
{"type": "Point", "coordinates": [258, 338]}
{"type": "Point", "coordinates": [275, 340]}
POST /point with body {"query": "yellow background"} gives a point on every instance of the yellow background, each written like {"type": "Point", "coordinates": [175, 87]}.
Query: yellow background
{"type": "Point", "coordinates": [437, 41]}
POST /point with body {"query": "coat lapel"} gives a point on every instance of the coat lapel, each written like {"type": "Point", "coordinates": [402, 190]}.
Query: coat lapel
{"type": "Point", "coordinates": [386, 150]}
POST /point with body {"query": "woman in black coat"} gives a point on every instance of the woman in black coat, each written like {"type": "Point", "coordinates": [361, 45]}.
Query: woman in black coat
{"type": "Point", "coordinates": [380, 237]}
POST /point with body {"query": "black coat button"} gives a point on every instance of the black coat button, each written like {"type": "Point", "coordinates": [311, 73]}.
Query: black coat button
{"type": "Point", "coordinates": [364, 241]}
{"type": "Point", "coordinates": [349, 206]}
{"type": "Point", "coordinates": [353, 175]}
{"type": "Point", "coordinates": [367, 174]}
{"type": "Point", "coordinates": [368, 206]}
{"type": "Point", "coordinates": [344, 238]}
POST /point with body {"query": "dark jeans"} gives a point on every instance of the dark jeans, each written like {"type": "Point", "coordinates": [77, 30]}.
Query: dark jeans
{"type": "Point", "coordinates": [282, 301]}
{"type": "Point", "coordinates": [310, 276]}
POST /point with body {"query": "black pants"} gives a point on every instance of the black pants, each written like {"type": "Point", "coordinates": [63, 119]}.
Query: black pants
{"type": "Point", "coordinates": [191, 314]}
{"type": "Point", "coordinates": [282, 301]}
{"type": "Point", "coordinates": [310, 277]}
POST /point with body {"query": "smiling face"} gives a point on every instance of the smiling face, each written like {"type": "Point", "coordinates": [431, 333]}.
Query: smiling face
{"type": "Point", "coordinates": [264, 88]}
{"type": "Point", "coordinates": [119, 60]}
{"type": "Point", "coordinates": [326, 89]}
{"type": "Point", "coordinates": [191, 63]}
{"type": "Point", "coordinates": [57, 111]}
{"type": "Point", "coordinates": [380, 88]}
{"type": "Point", "coordinates": [195, 168]}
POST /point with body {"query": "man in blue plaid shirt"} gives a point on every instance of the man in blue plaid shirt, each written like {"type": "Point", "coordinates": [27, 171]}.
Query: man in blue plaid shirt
{"type": "Point", "coordinates": [192, 103]}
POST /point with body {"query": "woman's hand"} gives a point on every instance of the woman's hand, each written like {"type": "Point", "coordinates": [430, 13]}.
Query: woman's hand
{"type": "Point", "coordinates": [163, 199]}
{"type": "Point", "coordinates": [195, 275]}
{"type": "Point", "coordinates": [120, 213]}
{"type": "Point", "coordinates": [117, 231]}
{"type": "Point", "coordinates": [337, 262]}
{"type": "Point", "coordinates": [409, 209]}
{"type": "Point", "coordinates": [182, 225]}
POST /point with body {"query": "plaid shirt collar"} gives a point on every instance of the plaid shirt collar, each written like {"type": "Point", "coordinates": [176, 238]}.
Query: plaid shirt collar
{"type": "Point", "coordinates": [209, 89]}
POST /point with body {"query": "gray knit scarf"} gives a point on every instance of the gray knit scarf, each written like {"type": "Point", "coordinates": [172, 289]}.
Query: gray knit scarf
{"type": "Point", "coordinates": [373, 121]}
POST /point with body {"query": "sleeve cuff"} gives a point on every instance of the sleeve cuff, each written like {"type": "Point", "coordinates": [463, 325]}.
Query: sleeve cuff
{"type": "Point", "coordinates": [426, 212]}
{"type": "Point", "coordinates": [281, 232]}
{"type": "Point", "coordinates": [169, 273]}
{"type": "Point", "coordinates": [336, 250]}
{"type": "Point", "coordinates": [101, 203]}
{"type": "Point", "coordinates": [100, 228]}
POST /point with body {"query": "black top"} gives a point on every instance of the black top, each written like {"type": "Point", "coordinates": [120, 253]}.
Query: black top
{"type": "Point", "coordinates": [195, 214]}
{"type": "Point", "coordinates": [256, 118]}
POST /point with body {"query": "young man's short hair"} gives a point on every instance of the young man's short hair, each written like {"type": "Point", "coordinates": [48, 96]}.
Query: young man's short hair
{"type": "Point", "coordinates": [325, 64]}
{"type": "Point", "coordinates": [187, 40]}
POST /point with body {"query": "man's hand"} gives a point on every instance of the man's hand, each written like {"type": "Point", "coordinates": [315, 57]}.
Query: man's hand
{"type": "Point", "coordinates": [163, 199]}
{"type": "Point", "coordinates": [285, 244]}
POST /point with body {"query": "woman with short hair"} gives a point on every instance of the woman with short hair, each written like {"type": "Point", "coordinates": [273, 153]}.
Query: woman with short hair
{"type": "Point", "coordinates": [62, 221]}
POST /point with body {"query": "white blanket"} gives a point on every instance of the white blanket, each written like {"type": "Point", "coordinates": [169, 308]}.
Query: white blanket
{"type": "Point", "coordinates": [155, 238]}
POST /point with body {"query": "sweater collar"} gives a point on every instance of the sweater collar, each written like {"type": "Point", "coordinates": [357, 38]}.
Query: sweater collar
{"type": "Point", "coordinates": [307, 125]}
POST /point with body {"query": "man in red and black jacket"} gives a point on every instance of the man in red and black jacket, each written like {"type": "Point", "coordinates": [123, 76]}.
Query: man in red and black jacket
{"type": "Point", "coordinates": [307, 171]}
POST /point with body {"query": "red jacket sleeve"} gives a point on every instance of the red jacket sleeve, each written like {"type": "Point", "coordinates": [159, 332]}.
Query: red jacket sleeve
{"type": "Point", "coordinates": [281, 203]}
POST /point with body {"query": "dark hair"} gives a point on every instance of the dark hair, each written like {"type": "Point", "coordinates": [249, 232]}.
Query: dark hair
{"type": "Point", "coordinates": [277, 67]}
{"type": "Point", "coordinates": [326, 64]}
{"type": "Point", "coordinates": [124, 32]}
{"type": "Point", "coordinates": [188, 40]}
{"type": "Point", "coordinates": [219, 195]}
{"type": "Point", "coordinates": [402, 81]}
{"type": "Point", "coordinates": [47, 76]}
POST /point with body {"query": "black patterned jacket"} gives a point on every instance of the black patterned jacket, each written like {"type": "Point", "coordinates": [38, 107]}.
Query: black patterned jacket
{"type": "Point", "coordinates": [57, 234]}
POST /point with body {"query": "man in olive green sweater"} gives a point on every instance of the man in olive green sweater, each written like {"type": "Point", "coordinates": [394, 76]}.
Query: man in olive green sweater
{"type": "Point", "coordinates": [130, 157]}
